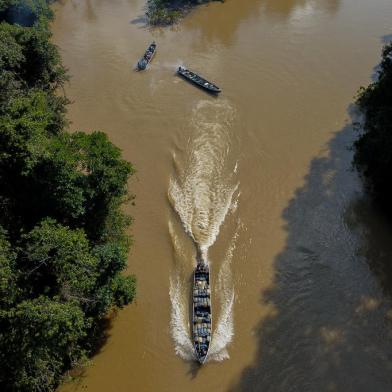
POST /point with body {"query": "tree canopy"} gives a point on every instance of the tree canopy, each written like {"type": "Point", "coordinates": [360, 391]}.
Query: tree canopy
{"type": "Point", "coordinates": [373, 148]}
{"type": "Point", "coordinates": [166, 12]}
{"type": "Point", "coordinates": [63, 234]}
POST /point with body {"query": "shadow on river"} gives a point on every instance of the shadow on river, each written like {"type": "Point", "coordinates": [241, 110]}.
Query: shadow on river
{"type": "Point", "coordinates": [332, 329]}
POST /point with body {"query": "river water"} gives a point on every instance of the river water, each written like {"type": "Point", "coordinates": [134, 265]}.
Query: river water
{"type": "Point", "coordinates": [258, 180]}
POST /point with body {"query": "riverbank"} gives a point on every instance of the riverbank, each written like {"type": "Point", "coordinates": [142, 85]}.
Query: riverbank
{"type": "Point", "coordinates": [373, 154]}
{"type": "Point", "coordinates": [64, 238]}
{"type": "Point", "coordinates": [167, 12]}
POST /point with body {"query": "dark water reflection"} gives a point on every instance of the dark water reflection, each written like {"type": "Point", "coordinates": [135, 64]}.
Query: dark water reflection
{"type": "Point", "coordinates": [332, 329]}
{"type": "Point", "coordinates": [375, 229]}
{"type": "Point", "coordinates": [386, 39]}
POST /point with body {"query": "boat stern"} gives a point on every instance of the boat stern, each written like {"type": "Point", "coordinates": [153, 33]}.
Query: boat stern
{"type": "Point", "coordinates": [142, 64]}
{"type": "Point", "coordinates": [202, 359]}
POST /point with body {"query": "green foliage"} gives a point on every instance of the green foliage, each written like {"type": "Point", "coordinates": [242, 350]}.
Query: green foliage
{"type": "Point", "coordinates": [373, 148]}
{"type": "Point", "coordinates": [39, 338]}
{"type": "Point", "coordinates": [94, 170]}
{"type": "Point", "coordinates": [26, 129]}
{"type": "Point", "coordinates": [28, 60]}
{"type": "Point", "coordinates": [58, 263]}
{"type": "Point", "coordinates": [112, 257]}
{"type": "Point", "coordinates": [9, 274]}
{"type": "Point", "coordinates": [76, 178]}
{"type": "Point", "coordinates": [25, 12]}
{"type": "Point", "coordinates": [81, 178]}
{"type": "Point", "coordinates": [63, 240]}
{"type": "Point", "coordinates": [123, 289]}
{"type": "Point", "coordinates": [166, 12]}
{"type": "Point", "coordinates": [159, 14]}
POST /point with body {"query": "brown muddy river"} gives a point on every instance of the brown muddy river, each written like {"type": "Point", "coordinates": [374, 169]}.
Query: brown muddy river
{"type": "Point", "coordinates": [259, 179]}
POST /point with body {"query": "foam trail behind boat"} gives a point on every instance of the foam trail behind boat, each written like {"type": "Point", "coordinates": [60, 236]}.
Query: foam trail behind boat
{"type": "Point", "coordinates": [202, 193]}
{"type": "Point", "coordinates": [165, 65]}
{"type": "Point", "coordinates": [224, 288]}
{"type": "Point", "coordinates": [179, 323]}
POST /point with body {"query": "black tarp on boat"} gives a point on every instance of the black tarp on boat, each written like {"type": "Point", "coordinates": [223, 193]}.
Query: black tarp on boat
{"type": "Point", "coordinates": [147, 57]}
{"type": "Point", "coordinates": [198, 80]}
{"type": "Point", "coordinates": [202, 317]}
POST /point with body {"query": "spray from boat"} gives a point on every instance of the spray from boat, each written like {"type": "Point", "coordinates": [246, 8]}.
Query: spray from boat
{"type": "Point", "coordinates": [203, 192]}
{"type": "Point", "coordinates": [224, 289]}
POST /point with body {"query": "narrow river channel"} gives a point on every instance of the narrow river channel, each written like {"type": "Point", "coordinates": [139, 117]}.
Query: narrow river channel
{"type": "Point", "coordinates": [258, 179]}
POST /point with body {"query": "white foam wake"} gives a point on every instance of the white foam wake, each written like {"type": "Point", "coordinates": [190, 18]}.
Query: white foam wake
{"type": "Point", "coordinates": [202, 194]}
{"type": "Point", "coordinates": [168, 65]}
{"type": "Point", "coordinates": [224, 332]}
{"type": "Point", "coordinates": [179, 296]}
{"type": "Point", "coordinates": [179, 324]}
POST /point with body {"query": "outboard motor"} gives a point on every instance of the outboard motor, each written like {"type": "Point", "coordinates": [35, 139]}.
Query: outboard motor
{"type": "Point", "coordinates": [142, 64]}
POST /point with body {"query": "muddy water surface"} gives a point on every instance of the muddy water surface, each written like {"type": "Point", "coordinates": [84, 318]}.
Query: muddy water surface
{"type": "Point", "coordinates": [258, 180]}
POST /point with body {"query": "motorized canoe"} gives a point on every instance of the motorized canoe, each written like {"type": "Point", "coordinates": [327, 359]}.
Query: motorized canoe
{"type": "Point", "coordinates": [198, 80]}
{"type": "Point", "coordinates": [147, 57]}
{"type": "Point", "coordinates": [202, 317]}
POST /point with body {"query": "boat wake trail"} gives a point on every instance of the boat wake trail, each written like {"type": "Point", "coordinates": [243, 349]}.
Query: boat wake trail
{"type": "Point", "coordinates": [224, 290]}
{"type": "Point", "coordinates": [179, 323]}
{"type": "Point", "coordinates": [179, 298]}
{"type": "Point", "coordinates": [203, 192]}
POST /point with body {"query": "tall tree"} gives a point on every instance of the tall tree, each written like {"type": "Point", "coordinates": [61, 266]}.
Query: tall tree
{"type": "Point", "coordinates": [63, 234]}
{"type": "Point", "coordinates": [373, 148]}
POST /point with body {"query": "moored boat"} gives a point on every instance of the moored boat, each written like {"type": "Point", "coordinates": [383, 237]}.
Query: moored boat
{"type": "Point", "coordinates": [202, 317]}
{"type": "Point", "coordinates": [198, 80]}
{"type": "Point", "coordinates": [147, 57]}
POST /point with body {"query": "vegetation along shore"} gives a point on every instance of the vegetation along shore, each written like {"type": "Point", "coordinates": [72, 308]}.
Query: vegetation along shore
{"type": "Point", "coordinates": [166, 12]}
{"type": "Point", "coordinates": [373, 148]}
{"type": "Point", "coordinates": [63, 241]}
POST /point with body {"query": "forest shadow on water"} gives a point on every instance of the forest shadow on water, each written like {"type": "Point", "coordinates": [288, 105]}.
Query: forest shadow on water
{"type": "Point", "coordinates": [386, 39]}
{"type": "Point", "coordinates": [332, 325]}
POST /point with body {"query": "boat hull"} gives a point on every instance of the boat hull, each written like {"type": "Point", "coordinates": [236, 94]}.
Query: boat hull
{"type": "Point", "coordinates": [202, 316]}
{"type": "Point", "coordinates": [147, 57]}
{"type": "Point", "coordinates": [198, 80]}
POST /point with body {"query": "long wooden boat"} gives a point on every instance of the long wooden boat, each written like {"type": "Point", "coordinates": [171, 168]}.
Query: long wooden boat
{"type": "Point", "coordinates": [147, 57]}
{"type": "Point", "coordinates": [198, 80]}
{"type": "Point", "coordinates": [202, 317]}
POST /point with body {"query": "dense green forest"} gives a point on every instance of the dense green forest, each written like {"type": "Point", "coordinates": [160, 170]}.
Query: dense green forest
{"type": "Point", "coordinates": [63, 242]}
{"type": "Point", "coordinates": [373, 149]}
{"type": "Point", "coordinates": [164, 12]}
